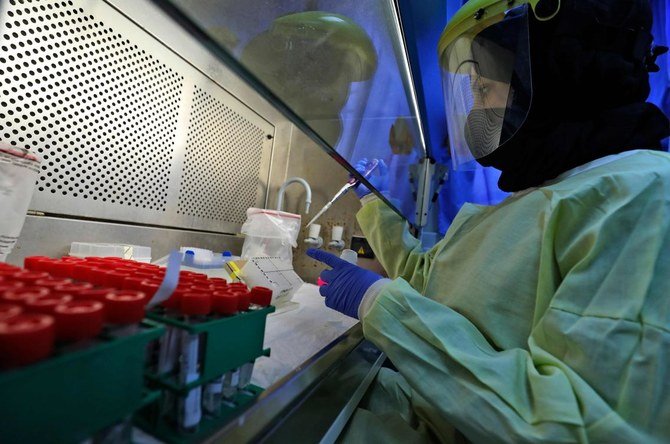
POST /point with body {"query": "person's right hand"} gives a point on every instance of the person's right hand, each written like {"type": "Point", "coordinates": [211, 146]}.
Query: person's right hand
{"type": "Point", "coordinates": [378, 178]}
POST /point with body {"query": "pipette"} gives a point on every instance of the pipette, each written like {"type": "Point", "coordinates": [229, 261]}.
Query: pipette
{"type": "Point", "coordinates": [352, 183]}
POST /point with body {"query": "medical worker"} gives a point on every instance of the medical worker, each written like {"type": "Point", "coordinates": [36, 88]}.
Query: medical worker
{"type": "Point", "coordinates": [545, 318]}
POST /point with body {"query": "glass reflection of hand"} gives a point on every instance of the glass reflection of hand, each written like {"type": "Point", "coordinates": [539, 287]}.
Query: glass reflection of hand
{"type": "Point", "coordinates": [378, 178]}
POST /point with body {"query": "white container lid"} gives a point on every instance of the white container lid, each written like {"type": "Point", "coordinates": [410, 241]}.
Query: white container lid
{"type": "Point", "coordinates": [92, 249]}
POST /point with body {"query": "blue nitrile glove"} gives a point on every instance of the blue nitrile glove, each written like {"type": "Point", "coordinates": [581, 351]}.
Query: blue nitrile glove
{"type": "Point", "coordinates": [378, 178]}
{"type": "Point", "coordinates": [346, 283]}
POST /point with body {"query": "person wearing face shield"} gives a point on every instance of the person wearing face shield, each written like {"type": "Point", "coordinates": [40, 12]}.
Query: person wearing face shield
{"type": "Point", "coordinates": [545, 318]}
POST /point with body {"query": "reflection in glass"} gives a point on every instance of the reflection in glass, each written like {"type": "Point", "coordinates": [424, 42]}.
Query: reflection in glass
{"type": "Point", "coordinates": [338, 64]}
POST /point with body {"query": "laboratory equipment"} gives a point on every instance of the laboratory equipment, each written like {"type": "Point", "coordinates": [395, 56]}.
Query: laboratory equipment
{"type": "Point", "coordinates": [336, 241]}
{"type": "Point", "coordinates": [282, 191]}
{"type": "Point", "coordinates": [352, 183]}
{"type": "Point", "coordinates": [206, 374]}
{"type": "Point", "coordinates": [313, 239]}
{"type": "Point", "coordinates": [188, 146]}
{"type": "Point", "coordinates": [56, 348]}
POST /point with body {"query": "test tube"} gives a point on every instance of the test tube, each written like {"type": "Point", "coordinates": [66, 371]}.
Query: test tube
{"type": "Point", "coordinates": [9, 311]}
{"type": "Point", "coordinates": [226, 304]}
{"type": "Point", "coordinates": [189, 411]}
{"type": "Point", "coordinates": [168, 344]}
{"type": "Point", "coordinates": [124, 311]}
{"type": "Point", "coordinates": [212, 395]}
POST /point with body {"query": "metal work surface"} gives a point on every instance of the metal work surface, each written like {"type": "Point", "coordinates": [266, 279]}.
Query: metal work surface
{"type": "Point", "coordinates": [127, 129]}
{"type": "Point", "coordinates": [337, 372]}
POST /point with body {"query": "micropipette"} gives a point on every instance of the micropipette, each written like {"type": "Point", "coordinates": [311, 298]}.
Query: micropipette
{"type": "Point", "coordinates": [352, 183]}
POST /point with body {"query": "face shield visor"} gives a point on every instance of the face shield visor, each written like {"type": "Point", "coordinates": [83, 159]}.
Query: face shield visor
{"type": "Point", "coordinates": [486, 80]}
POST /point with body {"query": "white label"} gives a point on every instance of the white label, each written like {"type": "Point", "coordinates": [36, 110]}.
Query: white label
{"type": "Point", "coordinates": [168, 350]}
{"type": "Point", "coordinates": [18, 174]}
{"type": "Point", "coordinates": [189, 409]}
{"type": "Point", "coordinates": [188, 368]}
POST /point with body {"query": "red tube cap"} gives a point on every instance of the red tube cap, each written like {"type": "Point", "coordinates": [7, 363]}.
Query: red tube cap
{"type": "Point", "coordinates": [72, 289]}
{"type": "Point", "coordinates": [47, 304]}
{"type": "Point", "coordinates": [28, 277]}
{"type": "Point", "coordinates": [238, 286]}
{"type": "Point", "coordinates": [83, 271]}
{"type": "Point", "coordinates": [124, 307]}
{"type": "Point", "coordinates": [115, 278]}
{"type": "Point", "coordinates": [218, 282]}
{"type": "Point", "coordinates": [93, 294]}
{"type": "Point", "coordinates": [25, 339]}
{"type": "Point", "coordinates": [225, 303]}
{"type": "Point", "coordinates": [52, 283]}
{"type": "Point", "coordinates": [244, 299]}
{"type": "Point", "coordinates": [9, 285]}
{"type": "Point", "coordinates": [149, 288]}
{"type": "Point", "coordinates": [36, 263]}
{"type": "Point", "coordinates": [9, 310]}
{"type": "Point", "coordinates": [77, 320]}
{"type": "Point", "coordinates": [201, 288]}
{"type": "Point", "coordinates": [21, 295]}
{"type": "Point", "coordinates": [174, 300]}
{"type": "Point", "coordinates": [195, 304]}
{"type": "Point", "coordinates": [61, 269]}
{"type": "Point", "coordinates": [261, 296]}
{"type": "Point", "coordinates": [132, 283]}
{"type": "Point", "coordinates": [6, 266]}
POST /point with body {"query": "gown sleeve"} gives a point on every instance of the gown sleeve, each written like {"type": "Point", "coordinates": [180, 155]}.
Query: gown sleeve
{"type": "Point", "coordinates": [595, 368]}
{"type": "Point", "coordinates": [397, 250]}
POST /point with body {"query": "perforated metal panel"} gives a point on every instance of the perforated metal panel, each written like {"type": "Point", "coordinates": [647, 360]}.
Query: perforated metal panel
{"type": "Point", "coordinates": [218, 140]}
{"type": "Point", "coordinates": [127, 130]}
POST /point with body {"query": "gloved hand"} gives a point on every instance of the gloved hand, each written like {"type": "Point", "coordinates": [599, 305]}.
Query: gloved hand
{"type": "Point", "coordinates": [378, 178]}
{"type": "Point", "coordinates": [346, 283]}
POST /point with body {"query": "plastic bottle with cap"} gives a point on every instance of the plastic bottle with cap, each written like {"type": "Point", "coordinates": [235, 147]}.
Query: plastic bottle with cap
{"type": "Point", "coordinates": [350, 256]}
{"type": "Point", "coordinates": [194, 307]}
{"type": "Point", "coordinates": [347, 255]}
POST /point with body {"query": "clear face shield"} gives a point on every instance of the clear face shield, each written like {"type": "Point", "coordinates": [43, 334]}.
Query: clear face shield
{"type": "Point", "coordinates": [487, 85]}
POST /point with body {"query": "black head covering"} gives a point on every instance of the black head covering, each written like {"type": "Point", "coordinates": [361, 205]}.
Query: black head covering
{"type": "Point", "coordinates": [590, 82]}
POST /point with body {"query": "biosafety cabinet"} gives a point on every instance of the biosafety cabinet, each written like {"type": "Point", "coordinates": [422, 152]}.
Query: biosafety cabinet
{"type": "Point", "coordinates": [159, 123]}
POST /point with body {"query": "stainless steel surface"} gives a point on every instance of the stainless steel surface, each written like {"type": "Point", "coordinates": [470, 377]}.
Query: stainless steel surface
{"type": "Point", "coordinates": [128, 129]}
{"type": "Point", "coordinates": [51, 236]}
{"type": "Point", "coordinates": [350, 407]}
{"type": "Point", "coordinates": [276, 401]}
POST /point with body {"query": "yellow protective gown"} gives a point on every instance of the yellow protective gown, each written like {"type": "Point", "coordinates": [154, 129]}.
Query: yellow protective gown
{"type": "Point", "coordinates": [545, 318]}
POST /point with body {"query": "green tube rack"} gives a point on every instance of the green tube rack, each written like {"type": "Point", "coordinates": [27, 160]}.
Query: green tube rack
{"type": "Point", "coordinates": [228, 343]}
{"type": "Point", "coordinates": [78, 392]}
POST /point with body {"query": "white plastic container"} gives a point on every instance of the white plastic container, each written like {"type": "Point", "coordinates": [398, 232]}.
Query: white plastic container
{"type": "Point", "coordinates": [18, 174]}
{"type": "Point", "coordinates": [92, 249]}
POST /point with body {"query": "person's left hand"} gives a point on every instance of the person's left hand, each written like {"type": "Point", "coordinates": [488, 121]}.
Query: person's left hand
{"type": "Point", "coordinates": [346, 283]}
